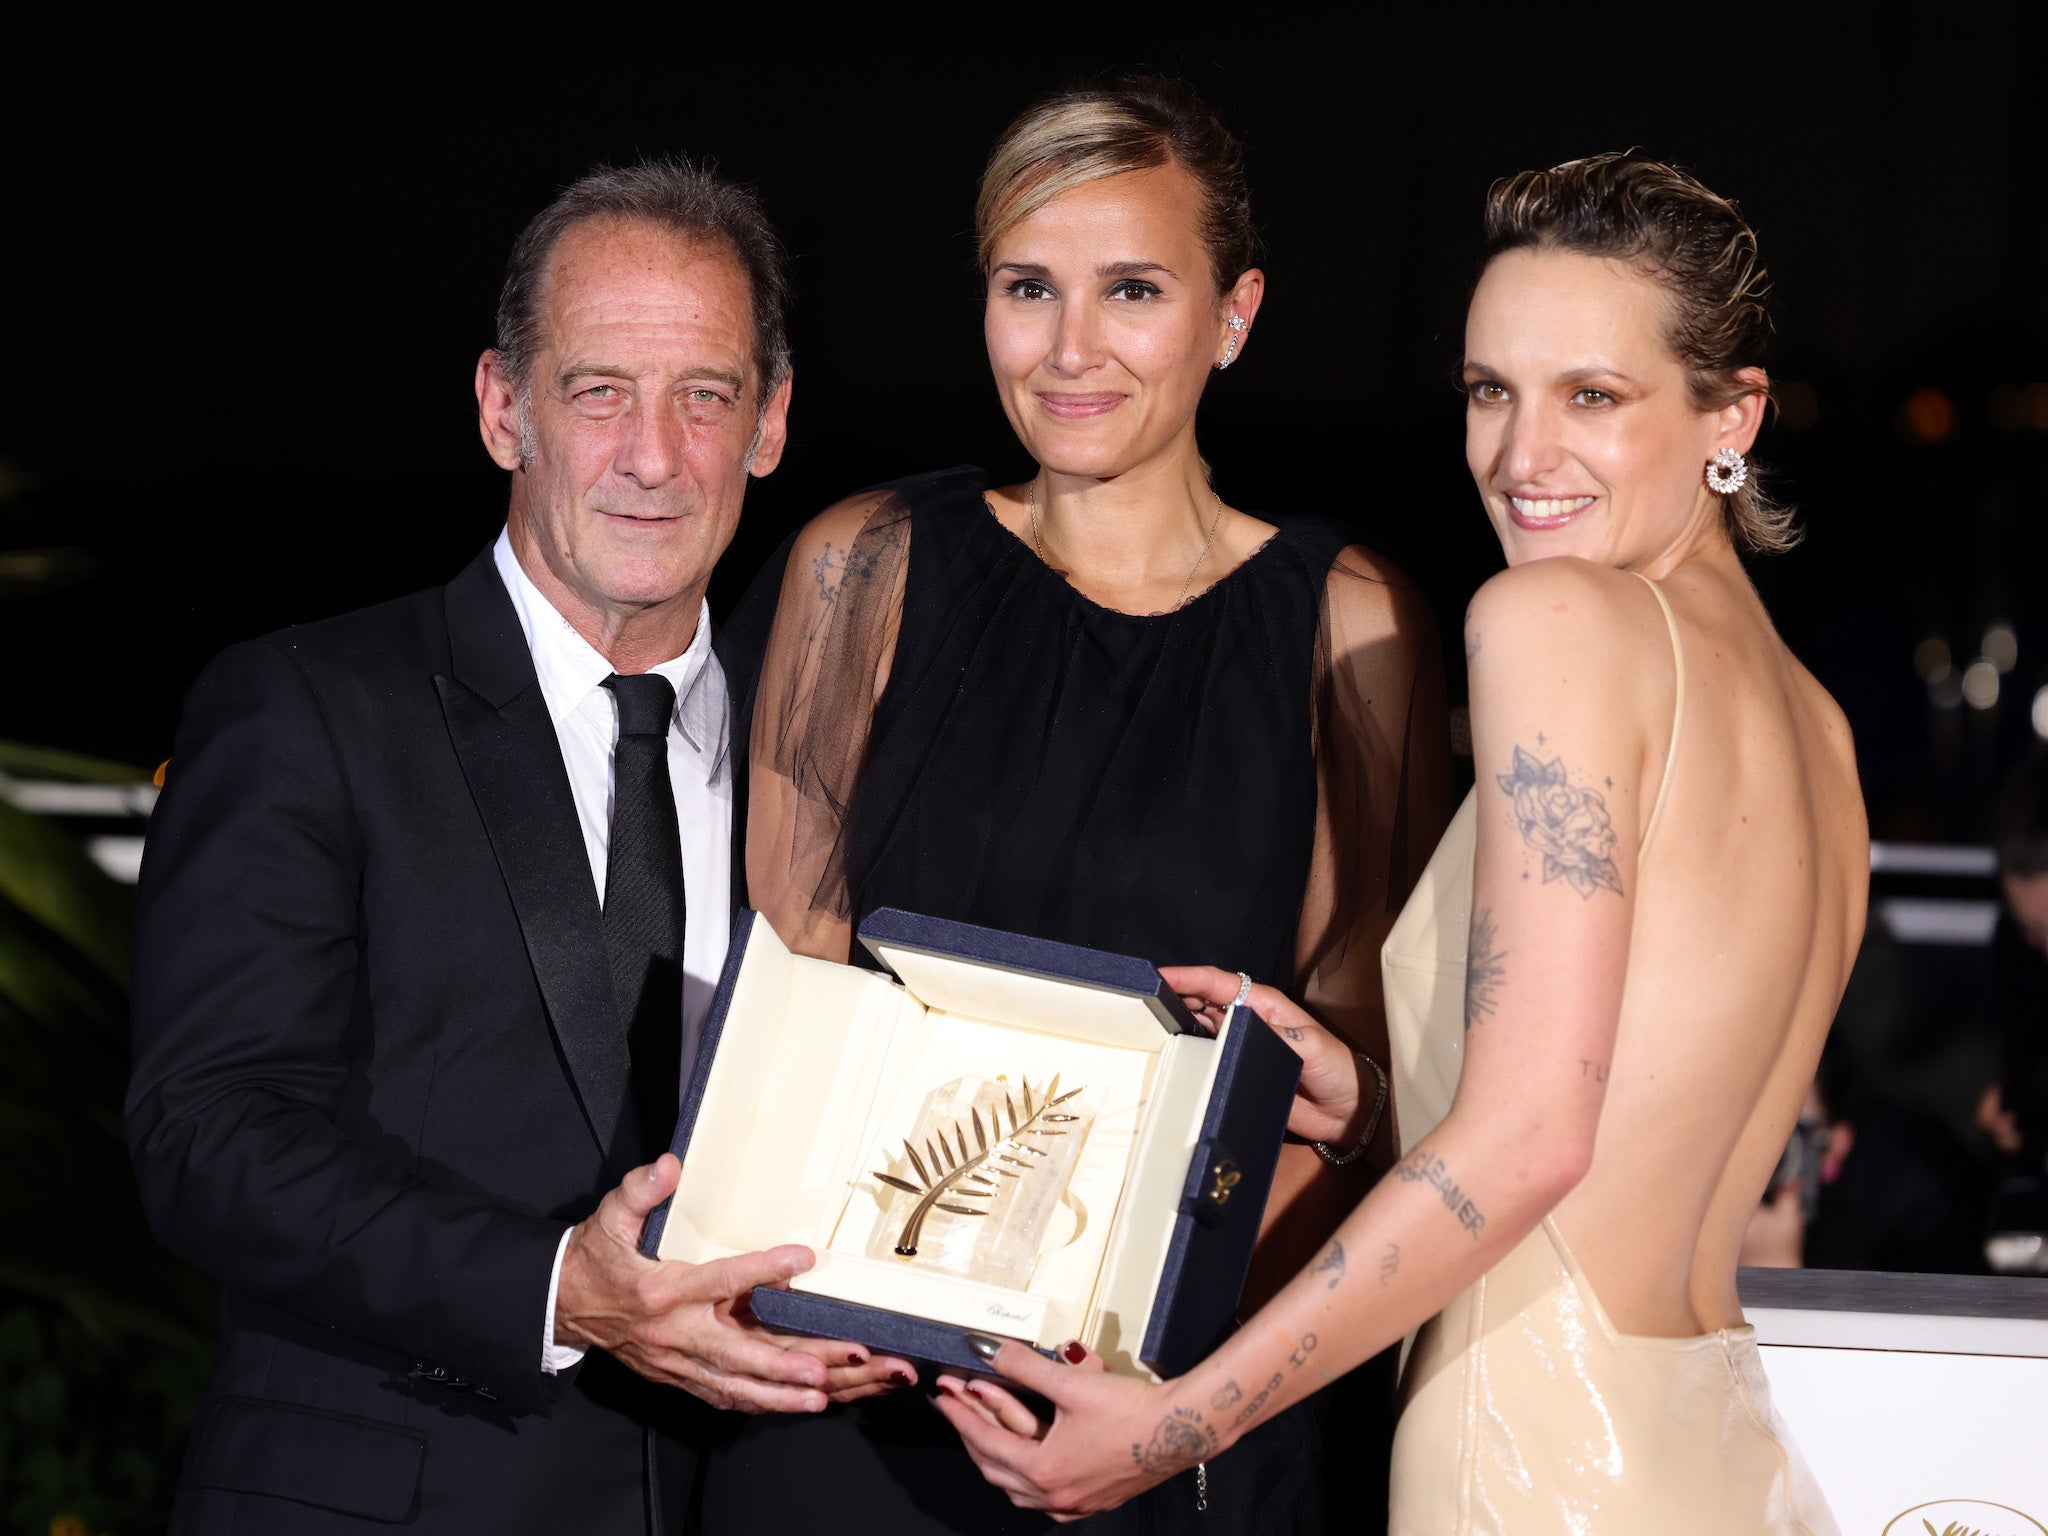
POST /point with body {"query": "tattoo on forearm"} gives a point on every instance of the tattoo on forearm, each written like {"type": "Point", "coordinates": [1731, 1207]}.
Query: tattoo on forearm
{"type": "Point", "coordinates": [1485, 967]}
{"type": "Point", "coordinates": [1252, 1409]}
{"type": "Point", "coordinates": [1226, 1395]}
{"type": "Point", "coordinates": [1181, 1440]}
{"type": "Point", "coordinates": [1390, 1263]}
{"type": "Point", "coordinates": [1302, 1351]}
{"type": "Point", "coordinates": [1420, 1167]}
{"type": "Point", "coordinates": [1298, 1353]}
{"type": "Point", "coordinates": [1569, 826]}
{"type": "Point", "coordinates": [1596, 1070]}
{"type": "Point", "coordinates": [1333, 1263]}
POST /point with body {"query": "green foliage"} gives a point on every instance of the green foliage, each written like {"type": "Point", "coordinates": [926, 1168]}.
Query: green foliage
{"type": "Point", "coordinates": [92, 1422]}
{"type": "Point", "coordinates": [104, 1338]}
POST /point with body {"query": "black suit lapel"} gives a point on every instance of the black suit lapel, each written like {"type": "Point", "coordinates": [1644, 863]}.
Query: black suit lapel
{"type": "Point", "coordinates": [512, 760]}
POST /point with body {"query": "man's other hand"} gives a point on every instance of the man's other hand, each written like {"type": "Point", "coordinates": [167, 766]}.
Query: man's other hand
{"type": "Point", "coordinates": [684, 1324]}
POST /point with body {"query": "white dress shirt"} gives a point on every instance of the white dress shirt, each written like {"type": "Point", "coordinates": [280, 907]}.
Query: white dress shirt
{"type": "Point", "coordinates": [586, 718]}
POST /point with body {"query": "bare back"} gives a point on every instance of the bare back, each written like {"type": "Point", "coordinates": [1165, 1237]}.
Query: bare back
{"type": "Point", "coordinates": [1749, 904]}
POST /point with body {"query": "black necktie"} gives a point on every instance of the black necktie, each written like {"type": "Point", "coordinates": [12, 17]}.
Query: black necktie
{"type": "Point", "coordinates": [643, 906]}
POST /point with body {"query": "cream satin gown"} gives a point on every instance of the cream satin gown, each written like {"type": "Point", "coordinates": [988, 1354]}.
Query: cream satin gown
{"type": "Point", "coordinates": [1524, 1411]}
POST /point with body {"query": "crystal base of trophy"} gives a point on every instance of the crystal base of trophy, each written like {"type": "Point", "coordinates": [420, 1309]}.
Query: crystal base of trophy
{"type": "Point", "coordinates": [977, 1183]}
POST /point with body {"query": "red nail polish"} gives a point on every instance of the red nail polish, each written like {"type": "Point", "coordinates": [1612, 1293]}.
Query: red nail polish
{"type": "Point", "coordinates": [1073, 1352]}
{"type": "Point", "coordinates": [901, 1378]}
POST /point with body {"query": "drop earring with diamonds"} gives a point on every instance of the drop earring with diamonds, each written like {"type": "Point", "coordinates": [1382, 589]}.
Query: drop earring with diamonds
{"type": "Point", "coordinates": [1236, 335]}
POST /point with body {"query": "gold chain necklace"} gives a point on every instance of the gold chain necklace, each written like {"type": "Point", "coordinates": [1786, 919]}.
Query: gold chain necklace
{"type": "Point", "coordinates": [1038, 543]}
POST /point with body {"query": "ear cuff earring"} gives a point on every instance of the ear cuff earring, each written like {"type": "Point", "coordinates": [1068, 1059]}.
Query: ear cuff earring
{"type": "Point", "coordinates": [1236, 335]}
{"type": "Point", "coordinates": [1726, 474]}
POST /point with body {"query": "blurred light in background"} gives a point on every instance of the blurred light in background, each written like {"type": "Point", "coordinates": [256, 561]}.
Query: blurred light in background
{"type": "Point", "coordinates": [1931, 658]}
{"type": "Point", "coordinates": [2041, 714]}
{"type": "Point", "coordinates": [2001, 646]}
{"type": "Point", "coordinates": [1980, 683]}
{"type": "Point", "coordinates": [1928, 416]}
{"type": "Point", "coordinates": [1798, 406]}
{"type": "Point", "coordinates": [2006, 408]}
{"type": "Point", "coordinates": [1945, 690]}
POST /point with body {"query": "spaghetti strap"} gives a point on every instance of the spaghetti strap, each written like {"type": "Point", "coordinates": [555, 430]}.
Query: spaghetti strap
{"type": "Point", "coordinates": [1677, 711]}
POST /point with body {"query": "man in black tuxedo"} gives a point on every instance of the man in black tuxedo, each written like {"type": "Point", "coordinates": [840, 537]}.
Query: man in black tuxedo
{"type": "Point", "coordinates": [431, 908]}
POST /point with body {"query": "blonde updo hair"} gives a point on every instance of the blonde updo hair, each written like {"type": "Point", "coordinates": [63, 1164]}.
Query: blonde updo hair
{"type": "Point", "coordinates": [1132, 123]}
{"type": "Point", "coordinates": [1697, 246]}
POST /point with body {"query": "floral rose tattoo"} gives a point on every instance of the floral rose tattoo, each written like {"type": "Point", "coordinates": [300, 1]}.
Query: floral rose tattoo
{"type": "Point", "coordinates": [1570, 827]}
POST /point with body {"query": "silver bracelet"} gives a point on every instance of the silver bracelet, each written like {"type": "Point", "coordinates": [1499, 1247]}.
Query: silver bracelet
{"type": "Point", "coordinates": [1339, 1159]}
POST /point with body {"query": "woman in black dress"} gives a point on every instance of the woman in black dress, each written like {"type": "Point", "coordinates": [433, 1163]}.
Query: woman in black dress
{"type": "Point", "coordinates": [1101, 707]}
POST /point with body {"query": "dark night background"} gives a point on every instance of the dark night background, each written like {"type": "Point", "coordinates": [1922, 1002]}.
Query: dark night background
{"type": "Point", "coordinates": [244, 278]}
{"type": "Point", "coordinates": [246, 310]}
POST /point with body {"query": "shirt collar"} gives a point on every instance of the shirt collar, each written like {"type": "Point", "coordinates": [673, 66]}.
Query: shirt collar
{"type": "Point", "coordinates": [570, 668]}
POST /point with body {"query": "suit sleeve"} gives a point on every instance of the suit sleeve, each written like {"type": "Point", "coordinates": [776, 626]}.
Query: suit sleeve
{"type": "Point", "coordinates": [250, 1006]}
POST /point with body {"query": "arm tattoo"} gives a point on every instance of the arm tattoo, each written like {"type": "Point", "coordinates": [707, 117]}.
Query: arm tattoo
{"type": "Point", "coordinates": [834, 567]}
{"type": "Point", "coordinates": [1420, 1167]}
{"type": "Point", "coordinates": [1596, 1070]}
{"type": "Point", "coordinates": [1226, 1394]}
{"type": "Point", "coordinates": [1570, 827]}
{"type": "Point", "coordinates": [1252, 1409]}
{"type": "Point", "coordinates": [1302, 1351]}
{"type": "Point", "coordinates": [1390, 1263]}
{"type": "Point", "coordinates": [1296, 1360]}
{"type": "Point", "coordinates": [1485, 967]}
{"type": "Point", "coordinates": [1181, 1440]}
{"type": "Point", "coordinates": [1333, 1260]}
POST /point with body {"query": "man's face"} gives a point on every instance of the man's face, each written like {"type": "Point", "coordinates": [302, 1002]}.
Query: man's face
{"type": "Point", "coordinates": [2026, 897]}
{"type": "Point", "coordinates": [639, 424]}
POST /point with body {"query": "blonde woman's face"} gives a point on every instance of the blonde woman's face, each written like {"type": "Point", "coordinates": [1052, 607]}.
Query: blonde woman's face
{"type": "Point", "coordinates": [1103, 321]}
{"type": "Point", "coordinates": [1578, 429]}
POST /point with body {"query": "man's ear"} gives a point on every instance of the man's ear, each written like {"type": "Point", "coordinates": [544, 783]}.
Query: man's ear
{"type": "Point", "coordinates": [772, 436]}
{"type": "Point", "coordinates": [497, 412]}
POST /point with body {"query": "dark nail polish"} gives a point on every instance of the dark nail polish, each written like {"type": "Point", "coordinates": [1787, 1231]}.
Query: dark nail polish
{"type": "Point", "coordinates": [984, 1347]}
{"type": "Point", "coordinates": [1073, 1352]}
{"type": "Point", "coordinates": [901, 1378]}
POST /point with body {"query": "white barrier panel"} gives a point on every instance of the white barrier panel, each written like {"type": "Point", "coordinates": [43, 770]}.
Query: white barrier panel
{"type": "Point", "coordinates": [1920, 1402]}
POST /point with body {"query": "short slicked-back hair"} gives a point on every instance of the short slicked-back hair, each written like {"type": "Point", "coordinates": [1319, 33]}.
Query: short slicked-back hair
{"type": "Point", "coordinates": [1696, 246]}
{"type": "Point", "coordinates": [674, 195]}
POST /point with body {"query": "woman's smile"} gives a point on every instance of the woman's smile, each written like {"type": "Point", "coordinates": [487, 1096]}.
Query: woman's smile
{"type": "Point", "coordinates": [1074, 406]}
{"type": "Point", "coordinates": [1540, 512]}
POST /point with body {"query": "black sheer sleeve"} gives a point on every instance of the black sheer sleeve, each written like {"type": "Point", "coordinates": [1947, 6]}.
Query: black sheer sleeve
{"type": "Point", "coordinates": [1382, 746]}
{"type": "Point", "coordinates": [828, 659]}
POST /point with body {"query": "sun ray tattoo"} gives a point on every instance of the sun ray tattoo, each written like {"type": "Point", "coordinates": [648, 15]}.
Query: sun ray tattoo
{"type": "Point", "coordinates": [1485, 967]}
{"type": "Point", "coordinates": [1570, 827]}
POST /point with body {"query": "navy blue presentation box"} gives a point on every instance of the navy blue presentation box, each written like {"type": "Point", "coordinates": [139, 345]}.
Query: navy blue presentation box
{"type": "Point", "coordinates": [810, 1072]}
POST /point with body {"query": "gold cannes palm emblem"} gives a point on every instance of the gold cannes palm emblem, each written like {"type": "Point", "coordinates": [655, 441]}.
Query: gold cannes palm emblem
{"type": "Point", "coordinates": [949, 1173]}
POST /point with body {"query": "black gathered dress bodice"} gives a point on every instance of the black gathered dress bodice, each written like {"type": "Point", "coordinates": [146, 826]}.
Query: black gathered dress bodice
{"type": "Point", "coordinates": [1039, 763]}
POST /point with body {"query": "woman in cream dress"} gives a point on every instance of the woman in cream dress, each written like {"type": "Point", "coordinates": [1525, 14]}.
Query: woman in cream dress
{"type": "Point", "coordinates": [1607, 996]}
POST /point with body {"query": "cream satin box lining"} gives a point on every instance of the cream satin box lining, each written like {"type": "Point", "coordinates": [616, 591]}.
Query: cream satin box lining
{"type": "Point", "coordinates": [819, 1065]}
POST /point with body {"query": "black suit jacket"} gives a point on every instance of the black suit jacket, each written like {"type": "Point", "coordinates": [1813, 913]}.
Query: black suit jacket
{"type": "Point", "coordinates": [377, 1074]}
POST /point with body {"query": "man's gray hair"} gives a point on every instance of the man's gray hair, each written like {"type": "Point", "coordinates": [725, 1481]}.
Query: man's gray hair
{"type": "Point", "coordinates": [677, 196]}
